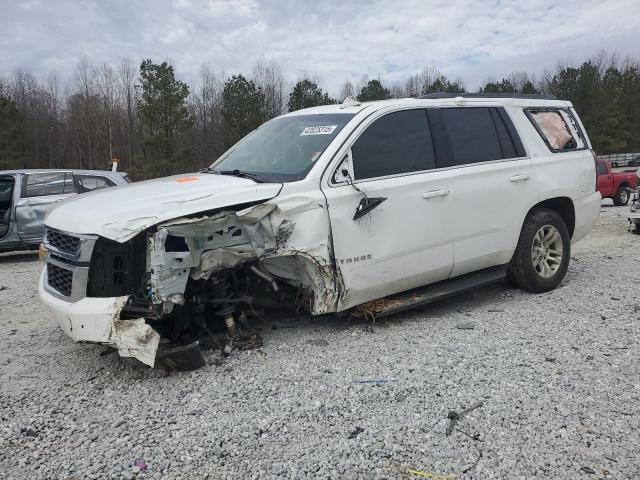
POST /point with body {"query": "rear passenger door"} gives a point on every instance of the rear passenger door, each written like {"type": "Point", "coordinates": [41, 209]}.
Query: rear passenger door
{"type": "Point", "coordinates": [405, 241]}
{"type": "Point", "coordinates": [493, 180]}
{"type": "Point", "coordinates": [40, 192]}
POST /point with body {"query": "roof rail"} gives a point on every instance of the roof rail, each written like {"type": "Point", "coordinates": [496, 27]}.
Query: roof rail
{"type": "Point", "coordinates": [532, 96]}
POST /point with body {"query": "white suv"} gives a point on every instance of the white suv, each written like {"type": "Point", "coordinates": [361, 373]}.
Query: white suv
{"type": "Point", "coordinates": [379, 206]}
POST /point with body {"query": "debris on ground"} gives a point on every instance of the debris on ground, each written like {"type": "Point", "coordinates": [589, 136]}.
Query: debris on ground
{"type": "Point", "coordinates": [140, 466]}
{"type": "Point", "coordinates": [375, 381]}
{"type": "Point", "coordinates": [28, 431]}
{"type": "Point", "coordinates": [466, 325]}
{"type": "Point", "coordinates": [432, 476]}
{"type": "Point", "coordinates": [356, 432]}
{"type": "Point", "coordinates": [191, 425]}
{"type": "Point", "coordinates": [454, 417]}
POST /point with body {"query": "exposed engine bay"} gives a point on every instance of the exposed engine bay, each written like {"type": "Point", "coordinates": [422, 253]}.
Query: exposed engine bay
{"type": "Point", "coordinates": [202, 281]}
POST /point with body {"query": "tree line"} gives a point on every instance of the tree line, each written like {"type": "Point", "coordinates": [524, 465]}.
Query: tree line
{"type": "Point", "coordinates": [156, 124]}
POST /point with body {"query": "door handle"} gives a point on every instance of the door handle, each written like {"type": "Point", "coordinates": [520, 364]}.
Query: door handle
{"type": "Point", "coordinates": [519, 178]}
{"type": "Point", "coordinates": [435, 193]}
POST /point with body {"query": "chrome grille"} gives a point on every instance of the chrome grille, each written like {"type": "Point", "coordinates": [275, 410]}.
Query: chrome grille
{"type": "Point", "coordinates": [60, 279]}
{"type": "Point", "coordinates": [63, 242]}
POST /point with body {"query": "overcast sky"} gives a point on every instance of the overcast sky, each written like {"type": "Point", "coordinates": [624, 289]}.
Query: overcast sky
{"type": "Point", "coordinates": [334, 40]}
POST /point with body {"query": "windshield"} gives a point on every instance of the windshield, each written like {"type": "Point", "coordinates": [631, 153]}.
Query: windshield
{"type": "Point", "coordinates": [284, 149]}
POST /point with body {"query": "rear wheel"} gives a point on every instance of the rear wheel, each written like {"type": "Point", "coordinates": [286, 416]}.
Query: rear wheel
{"type": "Point", "coordinates": [541, 258]}
{"type": "Point", "coordinates": [622, 196]}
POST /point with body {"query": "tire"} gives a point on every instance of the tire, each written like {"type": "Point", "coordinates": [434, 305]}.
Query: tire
{"type": "Point", "coordinates": [545, 237]}
{"type": "Point", "coordinates": [622, 196]}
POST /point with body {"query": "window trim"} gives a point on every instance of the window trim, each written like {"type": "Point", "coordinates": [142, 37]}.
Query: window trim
{"type": "Point", "coordinates": [441, 169]}
{"type": "Point", "coordinates": [529, 111]}
{"type": "Point", "coordinates": [441, 137]}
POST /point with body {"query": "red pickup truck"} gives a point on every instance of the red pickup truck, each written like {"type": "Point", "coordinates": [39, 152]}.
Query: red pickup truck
{"type": "Point", "coordinates": [615, 185]}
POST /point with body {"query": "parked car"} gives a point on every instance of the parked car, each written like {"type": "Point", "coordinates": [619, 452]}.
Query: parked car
{"type": "Point", "coordinates": [374, 207]}
{"type": "Point", "coordinates": [26, 196]}
{"type": "Point", "coordinates": [617, 186]}
{"type": "Point", "coordinates": [634, 162]}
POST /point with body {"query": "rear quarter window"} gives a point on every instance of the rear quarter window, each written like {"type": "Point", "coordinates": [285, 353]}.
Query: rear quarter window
{"type": "Point", "coordinates": [558, 128]}
{"type": "Point", "coordinates": [88, 183]}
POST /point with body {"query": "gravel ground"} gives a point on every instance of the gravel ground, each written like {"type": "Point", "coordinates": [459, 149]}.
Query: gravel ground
{"type": "Point", "coordinates": [558, 375]}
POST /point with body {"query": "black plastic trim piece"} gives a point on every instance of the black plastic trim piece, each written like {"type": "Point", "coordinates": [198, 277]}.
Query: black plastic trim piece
{"type": "Point", "coordinates": [432, 293]}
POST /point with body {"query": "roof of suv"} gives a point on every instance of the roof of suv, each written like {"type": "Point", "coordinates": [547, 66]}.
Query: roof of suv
{"type": "Point", "coordinates": [439, 100]}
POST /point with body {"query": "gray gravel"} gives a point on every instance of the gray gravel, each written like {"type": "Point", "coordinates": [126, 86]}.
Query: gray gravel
{"type": "Point", "coordinates": [558, 375]}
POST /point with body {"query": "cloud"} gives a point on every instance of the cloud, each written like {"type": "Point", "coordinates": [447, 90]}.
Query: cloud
{"type": "Point", "coordinates": [335, 40]}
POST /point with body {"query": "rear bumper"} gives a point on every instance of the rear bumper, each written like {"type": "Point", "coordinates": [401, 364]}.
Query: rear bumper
{"type": "Point", "coordinates": [97, 320]}
{"type": "Point", "coordinates": [587, 210]}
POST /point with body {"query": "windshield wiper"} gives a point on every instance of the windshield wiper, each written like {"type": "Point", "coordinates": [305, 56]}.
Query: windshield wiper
{"type": "Point", "coordinates": [240, 173]}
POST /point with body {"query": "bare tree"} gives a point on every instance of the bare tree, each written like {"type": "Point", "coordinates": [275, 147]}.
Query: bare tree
{"type": "Point", "coordinates": [268, 76]}
{"type": "Point", "coordinates": [84, 85]}
{"type": "Point", "coordinates": [206, 104]}
{"type": "Point", "coordinates": [127, 77]}
{"type": "Point", "coordinates": [346, 91]}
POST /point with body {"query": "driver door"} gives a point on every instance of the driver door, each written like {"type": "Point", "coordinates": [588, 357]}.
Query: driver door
{"type": "Point", "coordinates": [406, 240]}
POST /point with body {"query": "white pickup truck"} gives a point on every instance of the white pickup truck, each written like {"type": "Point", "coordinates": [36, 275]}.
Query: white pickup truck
{"type": "Point", "coordinates": [380, 206]}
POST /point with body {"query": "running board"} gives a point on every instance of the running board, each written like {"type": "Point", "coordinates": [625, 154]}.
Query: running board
{"type": "Point", "coordinates": [438, 291]}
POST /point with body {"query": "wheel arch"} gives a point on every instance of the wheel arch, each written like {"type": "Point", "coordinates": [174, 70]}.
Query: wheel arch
{"type": "Point", "coordinates": [563, 206]}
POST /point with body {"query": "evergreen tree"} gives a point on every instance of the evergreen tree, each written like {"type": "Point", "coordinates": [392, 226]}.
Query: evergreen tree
{"type": "Point", "coordinates": [504, 86]}
{"type": "Point", "coordinates": [373, 90]}
{"type": "Point", "coordinates": [163, 116]}
{"type": "Point", "coordinates": [243, 108]}
{"type": "Point", "coordinates": [307, 94]}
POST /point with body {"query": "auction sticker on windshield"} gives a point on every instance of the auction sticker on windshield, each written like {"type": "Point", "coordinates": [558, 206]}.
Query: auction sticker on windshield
{"type": "Point", "coordinates": [319, 130]}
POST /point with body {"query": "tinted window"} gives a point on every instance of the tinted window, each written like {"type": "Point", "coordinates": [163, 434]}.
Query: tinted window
{"type": "Point", "coordinates": [399, 142]}
{"type": "Point", "coordinates": [89, 182]}
{"type": "Point", "coordinates": [473, 135]}
{"type": "Point", "coordinates": [49, 183]}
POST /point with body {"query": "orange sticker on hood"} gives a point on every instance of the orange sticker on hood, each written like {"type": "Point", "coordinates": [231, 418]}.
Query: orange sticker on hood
{"type": "Point", "coordinates": [186, 179]}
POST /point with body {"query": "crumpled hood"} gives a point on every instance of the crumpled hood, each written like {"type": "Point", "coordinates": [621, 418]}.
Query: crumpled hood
{"type": "Point", "coordinates": [119, 213]}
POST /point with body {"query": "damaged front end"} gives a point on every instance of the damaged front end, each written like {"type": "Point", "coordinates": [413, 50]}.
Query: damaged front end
{"type": "Point", "coordinates": [201, 281]}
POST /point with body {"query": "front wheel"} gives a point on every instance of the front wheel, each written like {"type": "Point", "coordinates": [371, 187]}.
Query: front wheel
{"type": "Point", "coordinates": [622, 197]}
{"type": "Point", "coordinates": [541, 258]}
